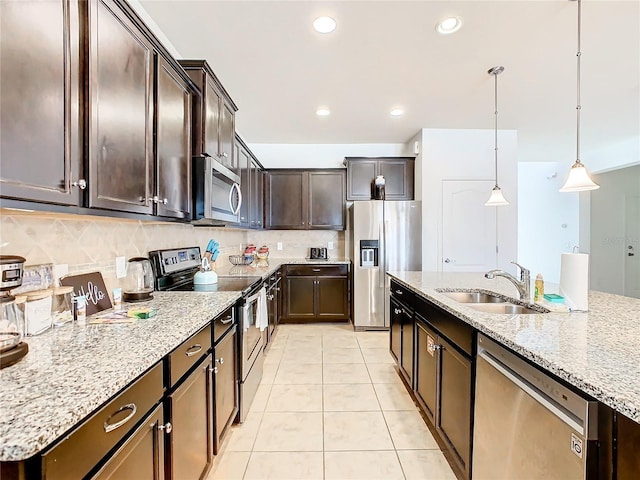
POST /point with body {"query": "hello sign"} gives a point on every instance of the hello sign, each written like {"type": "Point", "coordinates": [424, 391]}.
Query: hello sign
{"type": "Point", "coordinates": [91, 285]}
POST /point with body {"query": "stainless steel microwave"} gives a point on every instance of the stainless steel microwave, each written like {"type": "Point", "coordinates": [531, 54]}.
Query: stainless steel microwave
{"type": "Point", "coordinates": [216, 193]}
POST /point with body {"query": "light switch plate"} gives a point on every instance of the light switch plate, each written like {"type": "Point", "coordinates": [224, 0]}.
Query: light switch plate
{"type": "Point", "coordinates": [121, 267]}
{"type": "Point", "coordinates": [329, 245]}
{"type": "Point", "coordinates": [279, 246]}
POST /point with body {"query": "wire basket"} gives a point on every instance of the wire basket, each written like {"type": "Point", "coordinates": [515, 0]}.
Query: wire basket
{"type": "Point", "coordinates": [241, 259]}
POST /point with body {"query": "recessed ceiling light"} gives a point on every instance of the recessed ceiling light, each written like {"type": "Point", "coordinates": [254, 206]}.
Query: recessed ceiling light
{"type": "Point", "coordinates": [396, 112]}
{"type": "Point", "coordinates": [449, 25]}
{"type": "Point", "coordinates": [324, 24]}
{"type": "Point", "coordinates": [323, 111]}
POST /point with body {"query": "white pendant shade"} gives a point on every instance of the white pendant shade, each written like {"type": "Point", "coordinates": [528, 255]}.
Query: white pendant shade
{"type": "Point", "coordinates": [496, 199]}
{"type": "Point", "coordinates": [579, 180]}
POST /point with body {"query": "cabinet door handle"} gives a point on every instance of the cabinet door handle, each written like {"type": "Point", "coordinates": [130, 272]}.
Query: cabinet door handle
{"type": "Point", "coordinates": [110, 427]}
{"type": "Point", "coordinates": [270, 297]}
{"type": "Point", "coordinates": [168, 428]}
{"type": "Point", "coordinates": [435, 347]}
{"type": "Point", "coordinates": [397, 311]}
{"type": "Point", "coordinates": [191, 351]}
{"type": "Point", "coordinates": [220, 360]}
{"type": "Point", "coordinates": [225, 154]}
{"type": "Point", "coordinates": [81, 184]}
{"type": "Point", "coordinates": [227, 320]}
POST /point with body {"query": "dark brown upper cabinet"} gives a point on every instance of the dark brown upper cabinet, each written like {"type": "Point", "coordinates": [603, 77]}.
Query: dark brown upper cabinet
{"type": "Point", "coordinates": [41, 135]}
{"type": "Point", "coordinates": [173, 142]}
{"type": "Point", "coordinates": [305, 199]}
{"type": "Point", "coordinates": [251, 185]}
{"type": "Point", "coordinates": [397, 171]}
{"type": "Point", "coordinates": [121, 76]}
{"type": "Point", "coordinates": [213, 115]}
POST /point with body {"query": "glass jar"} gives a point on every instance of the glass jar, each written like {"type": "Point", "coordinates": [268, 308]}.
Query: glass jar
{"type": "Point", "coordinates": [37, 311]}
{"type": "Point", "coordinates": [61, 306]}
{"type": "Point", "coordinates": [11, 322]}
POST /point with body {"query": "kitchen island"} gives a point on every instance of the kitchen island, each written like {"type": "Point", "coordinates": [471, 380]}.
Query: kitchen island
{"type": "Point", "coordinates": [595, 351]}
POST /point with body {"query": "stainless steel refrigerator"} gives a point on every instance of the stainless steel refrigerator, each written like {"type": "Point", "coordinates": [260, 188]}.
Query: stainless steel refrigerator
{"type": "Point", "coordinates": [383, 236]}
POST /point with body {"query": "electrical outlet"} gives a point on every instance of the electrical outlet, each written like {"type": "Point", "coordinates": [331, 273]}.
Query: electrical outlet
{"type": "Point", "coordinates": [279, 246]}
{"type": "Point", "coordinates": [121, 267]}
{"type": "Point", "coordinates": [59, 271]}
{"type": "Point", "coordinates": [330, 245]}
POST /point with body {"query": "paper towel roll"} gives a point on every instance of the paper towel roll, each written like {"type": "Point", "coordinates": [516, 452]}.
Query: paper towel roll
{"type": "Point", "coordinates": [574, 280]}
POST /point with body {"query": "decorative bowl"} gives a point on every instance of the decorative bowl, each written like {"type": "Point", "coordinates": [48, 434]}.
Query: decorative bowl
{"type": "Point", "coordinates": [241, 259]}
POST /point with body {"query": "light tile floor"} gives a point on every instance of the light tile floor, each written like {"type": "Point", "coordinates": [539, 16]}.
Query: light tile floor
{"type": "Point", "coordinates": [331, 406]}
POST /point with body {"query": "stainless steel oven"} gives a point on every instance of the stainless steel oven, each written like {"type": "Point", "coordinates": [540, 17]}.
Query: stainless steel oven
{"type": "Point", "coordinates": [252, 361]}
{"type": "Point", "coordinates": [216, 192]}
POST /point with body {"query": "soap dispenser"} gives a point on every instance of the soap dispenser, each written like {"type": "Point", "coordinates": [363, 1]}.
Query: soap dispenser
{"type": "Point", "coordinates": [539, 288]}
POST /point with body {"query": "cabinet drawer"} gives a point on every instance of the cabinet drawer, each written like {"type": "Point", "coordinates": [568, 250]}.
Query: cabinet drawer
{"type": "Point", "coordinates": [402, 294]}
{"type": "Point", "coordinates": [79, 452]}
{"type": "Point", "coordinates": [187, 354]}
{"type": "Point", "coordinates": [459, 332]}
{"type": "Point", "coordinates": [317, 270]}
{"type": "Point", "coordinates": [222, 324]}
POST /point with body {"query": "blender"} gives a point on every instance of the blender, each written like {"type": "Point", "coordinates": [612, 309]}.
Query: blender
{"type": "Point", "coordinates": [12, 348]}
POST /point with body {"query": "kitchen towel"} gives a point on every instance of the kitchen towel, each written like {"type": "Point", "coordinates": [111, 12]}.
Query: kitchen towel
{"type": "Point", "coordinates": [574, 280]}
{"type": "Point", "coordinates": [262, 315]}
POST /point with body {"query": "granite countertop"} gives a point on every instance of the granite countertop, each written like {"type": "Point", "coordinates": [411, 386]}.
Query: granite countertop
{"type": "Point", "coordinates": [224, 268]}
{"type": "Point", "coordinates": [596, 351]}
{"type": "Point", "coordinates": [72, 370]}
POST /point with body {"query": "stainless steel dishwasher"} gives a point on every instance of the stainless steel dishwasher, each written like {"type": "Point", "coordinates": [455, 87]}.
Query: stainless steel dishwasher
{"type": "Point", "coordinates": [527, 425]}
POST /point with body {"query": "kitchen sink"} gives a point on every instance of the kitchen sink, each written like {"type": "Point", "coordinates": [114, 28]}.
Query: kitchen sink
{"type": "Point", "coordinates": [507, 308]}
{"type": "Point", "coordinates": [474, 297]}
{"type": "Point", "coordinates": [490, 302]}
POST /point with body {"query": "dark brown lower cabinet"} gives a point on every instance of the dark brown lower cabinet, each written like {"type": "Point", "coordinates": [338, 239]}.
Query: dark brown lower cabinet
{"type": "Point", "coordinates": [142, 455]}
{"type": "Point", "coordinates": [401, 322]}
{"type": "Point", "coordinates": [453, 420]}
{"type": "Point", "coordinates": [628, 455]}
{"type": "Point", "coordinates": [225, 381]}
{"type": "Point", "coordinates": [189, 405]}
{"type": "Point", "coordinates": [426, 369]}
{"type": "Point", "coordinates": [316, 293]}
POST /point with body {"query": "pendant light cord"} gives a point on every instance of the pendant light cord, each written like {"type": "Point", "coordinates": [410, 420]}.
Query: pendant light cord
{"type": "Point", "coordinates": [495, 76]}
{"type": "Point", "coordinates": [578, 106]}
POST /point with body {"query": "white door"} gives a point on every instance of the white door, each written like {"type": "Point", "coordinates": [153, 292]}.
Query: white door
{"type": "Point", "coordinates": [468, 227]}
{"type": "Point", "coordinates": [632, 247]}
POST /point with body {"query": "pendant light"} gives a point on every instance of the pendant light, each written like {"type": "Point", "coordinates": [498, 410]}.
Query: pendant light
{"type": "Point", "coordinates": [579, 179]}
{"type": "Point", "coordinates": [496, 199]}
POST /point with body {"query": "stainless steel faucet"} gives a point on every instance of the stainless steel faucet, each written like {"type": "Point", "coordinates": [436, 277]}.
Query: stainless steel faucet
{"type": "Point", "coordinates": [523, 285]}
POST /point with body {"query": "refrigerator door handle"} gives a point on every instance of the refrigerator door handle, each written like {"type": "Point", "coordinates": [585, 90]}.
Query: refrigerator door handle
{"type": "Point", "coordinates": [382, 256]}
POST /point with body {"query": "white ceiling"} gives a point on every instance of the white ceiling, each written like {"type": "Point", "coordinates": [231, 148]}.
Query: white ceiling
{"type": "Point", "coordinates": [387, 53]}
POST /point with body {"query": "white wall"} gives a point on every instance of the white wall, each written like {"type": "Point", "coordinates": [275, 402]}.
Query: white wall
{"type": "Point", "coordinates": [547, 219]}
{"type": "Point", "coordinates": [466, 155]}
{"type": "Point", "coordinates": [608, 234]}
{"type": "Point", "coordinates": [320, 155]}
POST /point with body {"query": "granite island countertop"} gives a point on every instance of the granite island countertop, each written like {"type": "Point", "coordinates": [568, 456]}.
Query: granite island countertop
{"type": "Point", "coordinates": [597, 351]}
{"type": "Point", "coordinates": [71, 371]}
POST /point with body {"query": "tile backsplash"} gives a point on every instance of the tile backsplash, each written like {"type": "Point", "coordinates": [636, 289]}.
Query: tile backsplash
{"type": "Point", "coordinates": [87, 243]}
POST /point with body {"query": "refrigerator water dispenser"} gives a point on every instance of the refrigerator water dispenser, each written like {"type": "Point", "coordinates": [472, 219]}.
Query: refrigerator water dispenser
{"type": "Point", "coordinates": [369, 253]}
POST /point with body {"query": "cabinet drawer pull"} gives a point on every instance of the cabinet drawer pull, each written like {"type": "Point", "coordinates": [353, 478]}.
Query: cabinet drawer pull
{"type": "Point", "coordinates": [316, 269]}
{"type": "Point", "coordinates": [399, 292]}
{"type": "Point", "coordinates": [227, 320]}
{"type": "Point", "coordinates": [110, 427]}
{"type": "Point", "coordinates": [191, 351]}
{"type": "Point", "coordinates": [168, 428]}
{"type": "Point", "coordinates": [220, 360]}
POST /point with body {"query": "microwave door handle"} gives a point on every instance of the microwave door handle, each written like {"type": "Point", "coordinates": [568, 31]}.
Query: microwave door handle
{"type": "Point", "coordinates": [237, 188]}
